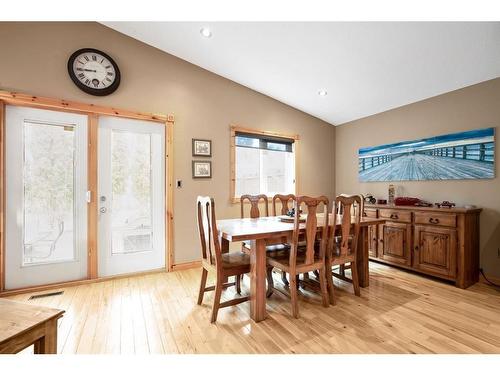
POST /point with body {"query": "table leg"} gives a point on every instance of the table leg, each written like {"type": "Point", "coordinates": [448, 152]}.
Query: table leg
{"type": "Point", "coordinates": [48, 343]}
{"type": "Point", "coordinates": [258, 280]}
{"type": "Point", "coordinates": [362, 257]}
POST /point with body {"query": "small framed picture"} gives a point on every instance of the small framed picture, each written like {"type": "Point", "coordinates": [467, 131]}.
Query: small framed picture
{"type": "Point", "coordinates": [202, 147]}
{"type": "Point", "coordinates": [202, 169]}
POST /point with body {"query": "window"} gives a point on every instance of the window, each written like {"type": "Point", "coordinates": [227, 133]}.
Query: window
{"type": "Point", "coordinates": [264, 163]}
{"type": "Point", "coordinates": [49, 192]}
{"type": "Point", "coordinates": [131, 214]}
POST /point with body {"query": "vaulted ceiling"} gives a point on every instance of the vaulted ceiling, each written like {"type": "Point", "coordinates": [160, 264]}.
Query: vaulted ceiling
{"type": "Point", "coordinates": [364, 67]}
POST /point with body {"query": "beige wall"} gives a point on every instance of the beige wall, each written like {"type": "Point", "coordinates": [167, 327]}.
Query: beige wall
{"type": "Point", "coordinates": [34, 57]}
{"type": "Point", "coordinates": [473, 107]}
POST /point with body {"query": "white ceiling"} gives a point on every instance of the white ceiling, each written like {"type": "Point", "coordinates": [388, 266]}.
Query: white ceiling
{"type": "Point", "coordinates": [366, 67]}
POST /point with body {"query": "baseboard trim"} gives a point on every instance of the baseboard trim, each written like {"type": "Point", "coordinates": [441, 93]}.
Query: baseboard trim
{"type": "Point", "coordinates": [67, 284]}
{"type": "Point", "coordinates": [493, 279]}
{"type": "Point", "coordinates": [186, 265]}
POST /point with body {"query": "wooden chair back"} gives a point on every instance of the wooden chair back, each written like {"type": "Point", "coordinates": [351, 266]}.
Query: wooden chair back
{"type": "Point", "coordinates": [286, 202]}
{"type": "Point", "coordinates": [339, 208]}
{"type": "Point", "coordinates": [254, 200]}
{"type": "Point", "coordinates": [314, 206]}
{"type": "Point", "coordinates": [207, 226]}
{"type": "Point", "coordinates": [347, 211]}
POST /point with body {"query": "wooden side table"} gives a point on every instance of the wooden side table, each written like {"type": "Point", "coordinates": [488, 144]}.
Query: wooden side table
{"type": "Point", "coordinates": [22, 325]}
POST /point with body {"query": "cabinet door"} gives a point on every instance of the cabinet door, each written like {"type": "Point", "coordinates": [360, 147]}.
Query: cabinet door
{"type": "Point", "coordinates": [435, 250]}
{"type": "Point", "coordinates": [372, 241]}
{"type": "Point", "coordinates": [394, 243]}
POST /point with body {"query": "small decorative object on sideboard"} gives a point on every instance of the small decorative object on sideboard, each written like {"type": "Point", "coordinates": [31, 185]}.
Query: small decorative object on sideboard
{"type": "Point", "coordinates": [445, 204]}
{"type": "Point", "coordinates": [370, 199]}
{"type": "Point", "coordinates": [381, 201]}
{"type": "Point", "coordinates": [202, 147]}
{"type": "Point", "coordinates": [406, 201]}
{"type": "Point", "coordinates": [410, 201]}
{"type": "Point", "coordinates": [392, 193]}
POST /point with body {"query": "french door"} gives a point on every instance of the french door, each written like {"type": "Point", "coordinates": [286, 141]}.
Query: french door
{"type": "Point", "coordinates": [131, 196]}
{"type": "Point", "coordinates": [46, 204]}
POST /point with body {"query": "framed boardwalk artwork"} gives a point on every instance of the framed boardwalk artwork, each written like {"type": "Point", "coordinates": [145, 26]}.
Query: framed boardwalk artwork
{"type": "Point", "coordinates": [456, 156]}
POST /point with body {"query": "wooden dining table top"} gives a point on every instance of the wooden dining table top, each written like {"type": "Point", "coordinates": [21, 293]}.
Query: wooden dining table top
{"type": "Point", "coordinates": [263, 227]}
{"type": "Point", "coordinates": [17, 318]}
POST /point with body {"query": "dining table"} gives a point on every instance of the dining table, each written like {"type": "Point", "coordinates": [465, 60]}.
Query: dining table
{"type": "Point", "coordinates": [22, 325]}
{"type": "Point", "coordinates": [263, 230]}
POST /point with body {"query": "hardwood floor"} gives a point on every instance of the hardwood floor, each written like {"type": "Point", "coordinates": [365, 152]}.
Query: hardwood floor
{"type": "Point", "coordinates": [400, 312]}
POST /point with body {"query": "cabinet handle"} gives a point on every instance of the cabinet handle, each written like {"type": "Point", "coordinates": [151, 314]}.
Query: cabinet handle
{"type": "Point", "coordinates": [416, 248]}
{"type": "Point", "coordinates": [433, 220]}
{"type": "Point", "coordinates": [394, 216]}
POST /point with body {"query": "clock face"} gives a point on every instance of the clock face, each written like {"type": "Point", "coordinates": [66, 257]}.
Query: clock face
{"type": "Point", "coordinates": [94, 71]}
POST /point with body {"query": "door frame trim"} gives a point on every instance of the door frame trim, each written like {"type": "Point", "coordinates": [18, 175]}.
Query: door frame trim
{"type": "Point", "coordinates": [93, 112]}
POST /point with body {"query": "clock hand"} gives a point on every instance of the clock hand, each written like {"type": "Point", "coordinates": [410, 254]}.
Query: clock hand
{"type": "Point", "coordinates": [86, 70]}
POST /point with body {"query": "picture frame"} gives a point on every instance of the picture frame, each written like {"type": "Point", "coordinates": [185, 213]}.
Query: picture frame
{"type": "Point", "coordinates": [466, 155]}
{"type": "Point", "coordinates": [202, 169]}
{"type": "Point", "coordinates": [202, 147]}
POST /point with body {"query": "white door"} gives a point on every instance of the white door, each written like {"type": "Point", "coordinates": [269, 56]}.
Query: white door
{"type": "Point", "coordinates": [46, 206]}
{"type": "Point", "coordinates": [131, 196]}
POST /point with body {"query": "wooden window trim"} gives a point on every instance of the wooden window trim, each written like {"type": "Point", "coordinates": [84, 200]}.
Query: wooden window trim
{"type": "Point", "coordinates": [232, 157]}
{"type": "Point", "coordinates": [93, 112]}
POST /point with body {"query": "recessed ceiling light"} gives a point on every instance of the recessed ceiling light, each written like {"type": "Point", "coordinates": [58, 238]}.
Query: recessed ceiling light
{"type": "Point", "coordinates": [322, 93]}
{"type": "Point", "coordinates": [205, 31]}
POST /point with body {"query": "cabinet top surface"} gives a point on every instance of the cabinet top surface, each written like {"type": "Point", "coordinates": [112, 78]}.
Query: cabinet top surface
{"type": "Point", "coordinates": [418, 208]}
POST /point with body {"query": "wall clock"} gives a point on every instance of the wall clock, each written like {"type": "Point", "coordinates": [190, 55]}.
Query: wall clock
{"type": "Point", "coordinates": [94, 72]}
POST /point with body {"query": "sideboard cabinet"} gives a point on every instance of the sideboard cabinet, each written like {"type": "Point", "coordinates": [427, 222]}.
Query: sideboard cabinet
{"type": "Point", "coordinates": [442, 242]}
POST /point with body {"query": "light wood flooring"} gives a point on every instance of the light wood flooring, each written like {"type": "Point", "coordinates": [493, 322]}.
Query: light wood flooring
{"type": "Point", "coordinates": [400, 312]}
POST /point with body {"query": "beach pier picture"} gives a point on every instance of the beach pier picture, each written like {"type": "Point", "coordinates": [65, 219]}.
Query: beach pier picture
{"type": "Point", "coordinates": [457, 156]}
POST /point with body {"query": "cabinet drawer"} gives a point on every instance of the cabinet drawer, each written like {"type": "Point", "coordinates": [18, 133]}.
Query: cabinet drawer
{"type": "Point", "coordinates": [436, 218]}
{"type": "Point", "coordinates": [370, 213]}
{"type": "Point", "coordinates": [395, 215]}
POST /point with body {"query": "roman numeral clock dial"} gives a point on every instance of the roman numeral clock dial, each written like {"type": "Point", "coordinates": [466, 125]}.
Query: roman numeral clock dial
{"type": "Point", "coordinates": [94, 72]}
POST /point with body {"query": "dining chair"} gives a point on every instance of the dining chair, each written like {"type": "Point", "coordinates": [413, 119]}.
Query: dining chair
{"type": "Point", "coordinates": [285, 201]}
{"type": "Point", "coordinates": [342, 249]}
{"type": "Point", "coordinates": [304, 259]}
{"type": "Point", "coordinates": [344, 267]}
{"type": "Point", "coordinates": [255, 201]}
{"type": "Point", "coordinates": [224, 264]}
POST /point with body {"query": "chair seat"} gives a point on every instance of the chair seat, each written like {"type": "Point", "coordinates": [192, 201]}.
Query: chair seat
{"type": "Point", "coordinates": [235, 259]}
{"type": "Point", "coordinates": [281, 259]}
{"type": "Point", "coordinates": [273, 247]}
